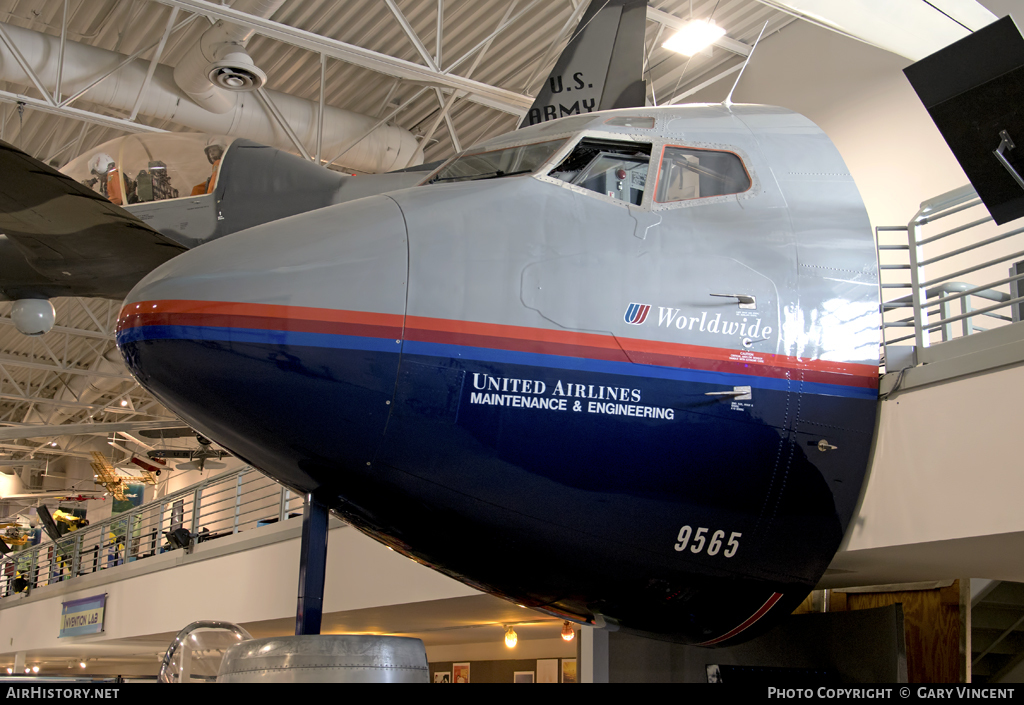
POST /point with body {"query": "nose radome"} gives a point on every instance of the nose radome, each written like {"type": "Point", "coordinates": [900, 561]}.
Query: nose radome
{"type": "Point", "coordinates": [271, 337]}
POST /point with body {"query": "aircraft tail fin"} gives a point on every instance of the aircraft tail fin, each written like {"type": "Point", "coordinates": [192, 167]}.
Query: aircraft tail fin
{"type": "Point", "coordinates": [601, 67]}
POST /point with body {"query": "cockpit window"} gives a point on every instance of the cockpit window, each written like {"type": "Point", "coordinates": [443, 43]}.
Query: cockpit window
{"type": "Point", "coordinates": [614, 169]}
{"type": "Point", "coordinates": [498, 163]}
{"type": "Point", "coordinates": [687, 173]}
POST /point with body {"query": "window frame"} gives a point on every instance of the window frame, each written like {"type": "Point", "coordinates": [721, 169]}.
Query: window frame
{"type": "Point", "coordinates": [661, 160]}
{"type": "Point", "coordinates": [574, 141]}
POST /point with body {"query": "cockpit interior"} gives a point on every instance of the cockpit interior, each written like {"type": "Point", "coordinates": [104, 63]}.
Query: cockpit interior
{"type": "Point", "coordinates": [143, 168]}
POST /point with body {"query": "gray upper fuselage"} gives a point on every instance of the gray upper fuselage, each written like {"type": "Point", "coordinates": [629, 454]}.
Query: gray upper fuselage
{"type": "Point", "coordinates": [538, 252]}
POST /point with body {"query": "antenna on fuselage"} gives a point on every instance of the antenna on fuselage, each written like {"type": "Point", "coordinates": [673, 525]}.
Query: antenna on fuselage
{"type": "Point", "coordinates": [728, 99]}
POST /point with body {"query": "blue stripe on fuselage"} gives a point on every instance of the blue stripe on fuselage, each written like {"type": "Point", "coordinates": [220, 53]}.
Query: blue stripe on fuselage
{"type": "Point", "coordinates": [259, 336]}
{"type": "Point", "coordinates": [457, 352]}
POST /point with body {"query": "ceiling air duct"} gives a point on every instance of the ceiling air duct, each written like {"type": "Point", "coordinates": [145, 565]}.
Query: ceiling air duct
{"type": "Point", "coordinates": [218, 66]}
{"type": "Point", "coordinates": [188, 96]}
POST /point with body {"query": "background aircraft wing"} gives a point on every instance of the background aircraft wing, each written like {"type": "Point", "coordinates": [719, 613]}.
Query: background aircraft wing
{"type": "Point", "coordinates": [79, 242]}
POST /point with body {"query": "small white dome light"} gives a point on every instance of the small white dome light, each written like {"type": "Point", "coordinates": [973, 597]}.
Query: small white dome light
{"type": "Point", "coordinates": [33, 316]}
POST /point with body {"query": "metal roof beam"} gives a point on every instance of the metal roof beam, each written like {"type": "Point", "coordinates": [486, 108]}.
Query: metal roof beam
{"type": "Point", "coordinates": [5, 321]}
{"type": "Point", "coordinates": [37, 431]}
{"type": "Point", "coordinates": [483, 93]}
{"type": "Point", "coordinates": [380, 122]}
{"type": "Point", "coordinates": [19, 362]}
{"type": "Point", "coordinates": [77, 114]}
{"type": "Point", "coordinates": [47, 450]}
{"type": "Point", "coordinates": [70, 404]}
{"type": "Point", "coordinates": [60, 56]}
{"type": "Point", "coordinates": [6, 39]}
{"type": "Point", "coordinates": [47, 431]}
{"type": "Point", "coordinates": [483, 49]}
{"type": "Point", "coordinates": [153, 63]}
{"type": "Point", "coordinates": [275, 115]}
{"type": "Point", "coordinates": [414, 38]}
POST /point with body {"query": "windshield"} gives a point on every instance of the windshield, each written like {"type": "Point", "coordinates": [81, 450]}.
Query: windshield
{"type": "Point", "coordinates": [690, 173]}
{"type": "Point", "coordinates": [498, 163]}
{"type": "Point", "coordinates": [612, 168]}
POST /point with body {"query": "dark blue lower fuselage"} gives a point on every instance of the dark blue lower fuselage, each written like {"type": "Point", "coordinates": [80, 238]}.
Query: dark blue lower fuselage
{"type": "Point", "coordinates": [550, 493]}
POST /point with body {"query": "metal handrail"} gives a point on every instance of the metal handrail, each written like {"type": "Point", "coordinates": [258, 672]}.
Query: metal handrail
{"type": "Point", "coordinates": [931, 300]}
{"type": "Point", "coordinates": [226, 502]}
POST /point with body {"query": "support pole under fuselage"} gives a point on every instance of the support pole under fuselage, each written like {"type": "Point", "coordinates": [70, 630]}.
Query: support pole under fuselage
{"type": "Point", "coordinates": [312, 566]}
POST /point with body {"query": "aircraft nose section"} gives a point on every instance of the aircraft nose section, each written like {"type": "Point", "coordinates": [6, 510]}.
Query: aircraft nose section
{"type": "Point", "coordinates": [287, 332]}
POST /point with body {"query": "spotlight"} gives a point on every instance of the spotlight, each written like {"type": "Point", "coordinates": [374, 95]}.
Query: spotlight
{"type": "Point", "coordinates": [10, 671]}
{"type": "Point", "coordinates": [124, 402]}
{"type": "Point", "coordinates": [694, 37]}
{"type": "Point", "coordinates": [511, 638]}
{"type": "Point", "coordinates": [35, 669]}
{"type": "Point", "coordinates": [568, 633]}
{"type": "Point", "coordinates": [81, 664]}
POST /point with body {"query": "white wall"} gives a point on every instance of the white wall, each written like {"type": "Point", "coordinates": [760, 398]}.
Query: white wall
{"type": "Point", "coordinates": [942, 496]}
{"type": "Point", "coordinates": [859, 96]}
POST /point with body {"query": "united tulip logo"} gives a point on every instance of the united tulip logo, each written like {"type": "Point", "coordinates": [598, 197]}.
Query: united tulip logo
{"type": "Point", "coordinates": [637, 314]}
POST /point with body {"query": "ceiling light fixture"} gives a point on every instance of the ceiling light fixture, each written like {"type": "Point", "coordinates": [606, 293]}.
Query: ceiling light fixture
{"type": "Point", "coordinates": [695, 36]}
{"type": "Point", "coordinates": [10, 671]}
{"type": "Point", "coordinates": [511, 638]}
{"type": "Point", "coordinates": [568, 633]}
{"type": "Point", "coordinates": [35, 669]}
{"type": "Point", "coordinates": [81, 664]}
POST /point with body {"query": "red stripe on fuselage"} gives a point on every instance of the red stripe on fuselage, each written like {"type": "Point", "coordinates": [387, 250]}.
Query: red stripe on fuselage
{"type": "Point", "coordinates": [494, 336]}
{"type": "Point", "coordinates": [299, 325]}
{"type": "Point", "coordinates": [762, 611]}
{"type": "Point", "coordinates": [144, 313]}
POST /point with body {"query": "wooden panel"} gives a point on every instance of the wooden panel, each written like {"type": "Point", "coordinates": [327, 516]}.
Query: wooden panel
{"type": "Point", "coordinates": [837, 602]}
{"type": "Point", "coordinates": [932, 623]}
{"type": "Point", "coordinates": [806, 606]}
{"type": "Point", "coordinates": [812, 603]}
